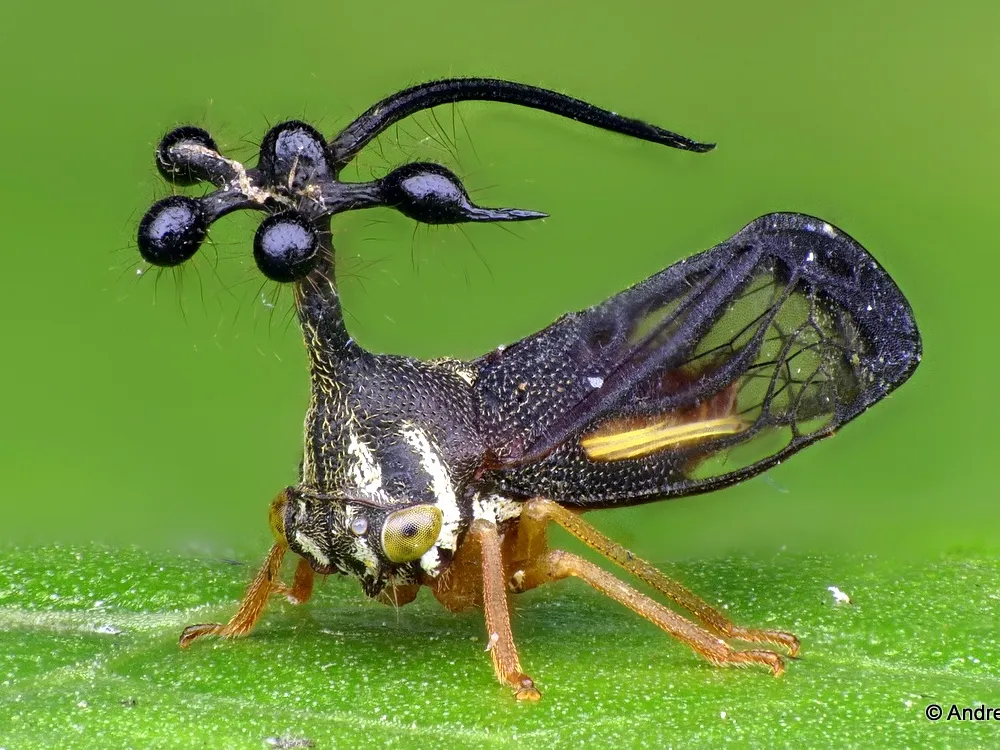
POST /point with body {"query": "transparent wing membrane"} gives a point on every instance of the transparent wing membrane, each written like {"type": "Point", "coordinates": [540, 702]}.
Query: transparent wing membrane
{"type": "Point", "coordinates": [705, 374]}
{"type": "Point", "coordinates": [805, 365]}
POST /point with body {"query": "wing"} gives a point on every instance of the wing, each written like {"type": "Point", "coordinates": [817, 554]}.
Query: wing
{"type": "Point", "coordinates": [704, 375]}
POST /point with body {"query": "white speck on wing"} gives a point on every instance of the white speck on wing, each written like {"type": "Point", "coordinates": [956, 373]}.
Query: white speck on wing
{"type": "Point", "coordinates": [595, 381]}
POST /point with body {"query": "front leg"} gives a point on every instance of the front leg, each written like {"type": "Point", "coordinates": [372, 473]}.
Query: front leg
{"type": "Point", "coordinates": [302, 584]}
{"type": "Point", "coordinates": [495, 606]}
{"type": "Point", "coordinates": [254, 601]}
{"type": "Point", "coordinates": [477, 576]}
{"type": "Point", "coordinates": [265, 583]}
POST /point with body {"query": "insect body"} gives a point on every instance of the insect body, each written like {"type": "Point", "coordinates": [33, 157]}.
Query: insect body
{"type": "Point", "coordinates": [447, 473]}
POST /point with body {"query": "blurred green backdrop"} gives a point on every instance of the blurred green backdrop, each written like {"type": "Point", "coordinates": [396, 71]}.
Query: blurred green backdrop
{"type": "Point", "coordinates": [167, 411]}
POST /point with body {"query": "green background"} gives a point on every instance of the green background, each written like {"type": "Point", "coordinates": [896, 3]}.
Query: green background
{"type": "Point", "coordinates": [168, 412]}
{"type": "Point", "coordinates": [165, 410]}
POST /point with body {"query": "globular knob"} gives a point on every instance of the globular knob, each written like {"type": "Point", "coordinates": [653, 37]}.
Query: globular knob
{"type": "Point", "coordinates": [286, 247]}
{"type": "Point", "coordinates": [426, 192]}
{"type": "Point", "coordinates": [294, 154]}
{"type": "Point", "coordinates": [173, 165]}
{"type": "Point", "coordinates": [433, 194]}
{"type": "Point", "coordinates": [172, 231]}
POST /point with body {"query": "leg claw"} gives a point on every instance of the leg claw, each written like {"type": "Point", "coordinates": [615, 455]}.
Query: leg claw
{"type": "Point", "coordinates": [527, 691]}
{"type": "Point", "coordinates": [192, 632]}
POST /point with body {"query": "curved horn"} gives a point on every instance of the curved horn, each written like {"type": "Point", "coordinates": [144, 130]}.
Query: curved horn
{"type": "Point", "coordinates": [346, 144]}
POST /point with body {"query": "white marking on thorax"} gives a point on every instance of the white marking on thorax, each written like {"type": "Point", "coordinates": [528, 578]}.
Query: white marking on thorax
{"type": "Point", "coordinates": [364, 471]}
{"type": "Point", "coordinates": [444, 495]}
{"type": "Point", "coordinates": [430, 561]}
{"type": "Point", "coordinates": [495, 508]}
{"type": "Point", "coordinates": [309, 546]}
{"type": "Point", "coordinates": [457, 367]}
{"type": "Point", "coordinates": [365, 554]}
{"type": "Point", "coordinates": [467, 375]}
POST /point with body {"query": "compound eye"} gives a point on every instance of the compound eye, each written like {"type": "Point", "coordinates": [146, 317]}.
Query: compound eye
{"type": "Point", "coordinates": [286, 247]}
{"type": "Point", "coordinates": [171, 161]}
{"type": "Point", "coordinates": [172, 231]}
{"type": "Point", "coordinates": [294, 154]}
{"type": "Point", "coordinates": [409, 533]}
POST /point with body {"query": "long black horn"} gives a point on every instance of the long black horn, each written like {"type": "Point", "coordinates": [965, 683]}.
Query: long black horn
{"type": "Point", "coordinates": [346, 145]}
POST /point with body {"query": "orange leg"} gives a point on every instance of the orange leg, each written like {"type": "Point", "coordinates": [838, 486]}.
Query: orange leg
{"type": "Point", "coordinates": [558, 564]}
{"type": "Point", "coordinates": [501, 645]}
{"type": "Point", "coordinates": [254, 601]}
{"type": "Point", "coordinates": [302, 584]}
{"type": "Point", "coordinates": [265, 583]}
{"type": "Point", "coordinates": [475, 576]}
{"type": "Point", "coordinates": [397, 596]}
{"type": "Point", "coordinates": [529, 546]}
{"type": "Point", "coordinates": [460, 586]}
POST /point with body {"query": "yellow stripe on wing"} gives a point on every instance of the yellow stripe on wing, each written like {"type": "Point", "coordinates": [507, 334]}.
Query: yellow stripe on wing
{"type": "Point", "coordinates": [667, 433]}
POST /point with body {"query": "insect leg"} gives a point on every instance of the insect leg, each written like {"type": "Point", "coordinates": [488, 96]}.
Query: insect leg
{"type": "Point", "coordinates": [495, 606]}
{"type": "Point", "coordinates": [265, 583]}
{"type": "Point", "coordinates": [398, 595]}
{"type": "Point", "coordinates": [558, 564]}
{"type": "Point", "coordinates": [302, 585]}
{"type": "Point", "coordinates": [540, 511]}
{"type": "Point", "coordinates": [254, 601]}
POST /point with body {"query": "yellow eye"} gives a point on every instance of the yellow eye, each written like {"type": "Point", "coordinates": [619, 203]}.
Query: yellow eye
{"type": "Point", "coordinates": [409, 533]}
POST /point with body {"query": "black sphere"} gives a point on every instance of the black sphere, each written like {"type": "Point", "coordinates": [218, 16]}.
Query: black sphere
{"type": "Point", "coordinates": [286, 247]}
{"type": "Point", "coordinates": [176, 170]}
{"type": "Point", "coordinates": [294, 153]}
{"type": "Point", "coordinates": [172, 231]}
{"type": "Point", "coordinates": [426, 192]}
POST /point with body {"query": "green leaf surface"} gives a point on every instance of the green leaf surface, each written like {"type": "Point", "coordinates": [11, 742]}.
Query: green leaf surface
{"type": "Point", "coordinates": [89, 659]}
